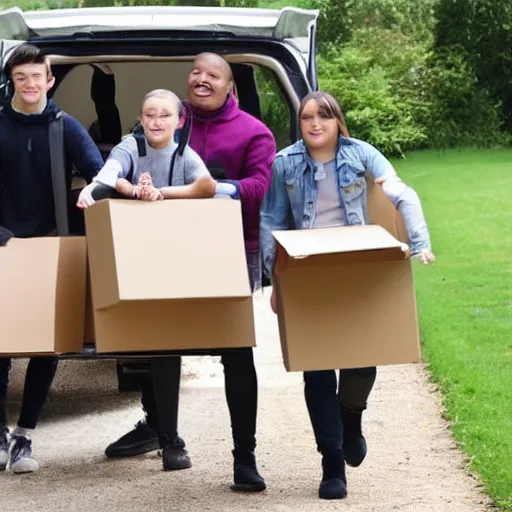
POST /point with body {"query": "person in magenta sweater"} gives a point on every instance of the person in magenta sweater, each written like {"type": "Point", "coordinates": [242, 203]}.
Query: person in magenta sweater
{"type": "Point", "coordinates": [238, 150]}
{"type": "Point", "coordinates": [237, 147]}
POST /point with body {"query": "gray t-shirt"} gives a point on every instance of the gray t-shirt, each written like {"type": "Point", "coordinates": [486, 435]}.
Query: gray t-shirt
{"type": "Point", "coordinates": [329, 212]}
{"type": "Point", "coordinates": [157, 162]}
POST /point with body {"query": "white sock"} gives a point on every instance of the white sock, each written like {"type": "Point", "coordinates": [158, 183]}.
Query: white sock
{"type": "Point", "coordinates": [22, 432]}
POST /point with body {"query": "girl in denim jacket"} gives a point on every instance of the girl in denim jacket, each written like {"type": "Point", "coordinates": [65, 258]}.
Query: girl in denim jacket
{"type": "Point", "coordinates": [321, 182]}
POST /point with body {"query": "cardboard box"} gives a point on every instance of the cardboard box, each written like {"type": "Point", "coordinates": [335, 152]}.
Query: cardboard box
{"type": "Point", "coordinates": [89, 331]}
{"type": "Point", "coordinates": [42, 297]}
{"type": "Point", "coordinates": [169, 275]}
{"type": "Point", "coordinates": [346, 299]}
{"type": "Point", "coordinates": [382, 212]}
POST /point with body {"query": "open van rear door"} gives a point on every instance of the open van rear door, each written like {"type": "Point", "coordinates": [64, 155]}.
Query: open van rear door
{"type": "Point", "coordinates": [298, 28]}
{"type": "Point", "coordinates": [292, 27]}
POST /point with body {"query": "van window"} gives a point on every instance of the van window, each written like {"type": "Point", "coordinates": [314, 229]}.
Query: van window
{"type": "Point", "coordinates": [257, 89]}
{"type": "Point", "coordinates": [275, 111]}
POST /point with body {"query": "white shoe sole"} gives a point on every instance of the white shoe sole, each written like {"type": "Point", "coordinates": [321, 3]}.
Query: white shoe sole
{"type": "Point", "coordinates": [24, 466]}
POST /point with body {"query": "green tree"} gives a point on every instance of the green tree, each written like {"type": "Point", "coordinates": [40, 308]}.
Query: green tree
{"type": "Point", "coordinates": [481, 31]}
{"type": "Point", "coordinates": [460, 111]}
{"type": "Point", "coordinates": [339, 18]}
{"type": "Point", "coordinates": [375, 109]}
{"type": "Point", "coordinates": [30, 5]}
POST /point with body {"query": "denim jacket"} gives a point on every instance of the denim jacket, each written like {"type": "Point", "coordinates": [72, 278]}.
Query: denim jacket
{"type": "Point", "coordinates": [291, 201]}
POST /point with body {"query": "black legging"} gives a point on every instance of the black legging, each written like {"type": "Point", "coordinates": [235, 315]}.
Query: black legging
{"type": "Point", "coordinates": [324, 395]}
{"type": "Point", "coordinates": [354, 387]}
{"type": "Point", "coordinates": [38, 381]}
{"type": "Point", "coordinates": [160, 396]}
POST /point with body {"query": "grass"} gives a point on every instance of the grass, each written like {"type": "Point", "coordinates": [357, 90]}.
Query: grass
{"type": "Point", "coordinates": [465, 300]}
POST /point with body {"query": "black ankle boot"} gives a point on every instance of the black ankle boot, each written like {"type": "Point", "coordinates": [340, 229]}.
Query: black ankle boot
{"type": "Point", "coordinates": [334, 483]}
{"type": "Point", "coordinates": [354, 443]}
{"type": "Point", "coordinates": [174, 455]}
{"type": "Point", "coordinates": [246, 476]}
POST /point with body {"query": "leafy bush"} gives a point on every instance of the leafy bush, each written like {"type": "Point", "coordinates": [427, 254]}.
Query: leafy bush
{"type": "Point", "coordinates": [462, 112]}
{"type": "Point", "coordinates": [374, 109]}
{"type": "Point", "coordinates": [29, 5]}
{"type": "Point", "coordinates": [402, 58]}
{"type": "Point", "coordinates": [339, 18]}
{"type": "Point", "coordinates": [483, 30]}
{"type": "Point", "coordinates": [38, 5]}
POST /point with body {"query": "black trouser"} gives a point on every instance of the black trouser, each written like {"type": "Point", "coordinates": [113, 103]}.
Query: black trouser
{"type": "Point", "coordinates": [38, 381]}
{"type": "Point", "coordinates": [160, 396]}
{"type": "Point", "coordinates": [324, 398]}
{"type": "Point", "coordinates": [160, 389]}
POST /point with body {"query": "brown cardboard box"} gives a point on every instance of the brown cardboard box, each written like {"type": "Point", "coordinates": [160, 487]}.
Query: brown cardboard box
{"type": "Point", "coordinates": [345, 298]}
{"type": "Point", "coordinates": [382, 212]}
{"type": "Point", "coordinates": [42, 296]}
{"type": "Point", "coordinates": [169, 275]}
{"type": "Point", "coordinates": [89, 332]}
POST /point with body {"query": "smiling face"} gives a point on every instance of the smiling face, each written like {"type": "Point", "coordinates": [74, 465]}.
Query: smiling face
{"type": "Point", "coordinates": [159, 119]}
{"type": "Point", "coordinates": [210, 82]}
{"type": "Point", "coordinates": [31, 83]}
{"type": "Point", "coordinates": [318, 130]}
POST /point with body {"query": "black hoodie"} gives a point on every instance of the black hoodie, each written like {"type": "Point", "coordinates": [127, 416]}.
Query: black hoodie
{"type": "Point", "coordinates": [26, 192]}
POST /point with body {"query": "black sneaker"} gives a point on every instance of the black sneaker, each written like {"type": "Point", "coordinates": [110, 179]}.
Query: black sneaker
{"type": "Point", "coordinates": [21, 459]}
{"type": "Point", "coordinates": [174, 456]}
{"type": "Point", "coordinates": [354, 443]}
{"type": "Point", "coordinates": [334, 483]}
{"type": "Point", "coordinates": [4, 448]}
{"type": "Point", "coordinates": [141, 439]}
{"type": "Point", "coordinates": [246, 476]}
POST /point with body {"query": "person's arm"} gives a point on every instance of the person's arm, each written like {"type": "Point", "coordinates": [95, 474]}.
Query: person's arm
{"type": "Point", "coordinates": [81, 149]}
{"type": "Point", "coordinates": [403, 197]}
{"type": "Point", "coordinates": [275, 216]}
{"type": "Point", "coordinates": [103, 94]}
{"type": "Point", "coordinates": [126, 189]}
{"type": "Point", "coordinates": [203, 187]}
{"type": "Point", "coordinates": [113, 174]}
{"type": "Point", "coordinates": [257, 169]}
{"type": "Point", "coordinates": [197, 178]}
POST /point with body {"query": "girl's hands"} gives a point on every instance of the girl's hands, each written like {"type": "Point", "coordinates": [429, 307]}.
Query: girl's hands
{"type": "Point", "coordinates": [145, 191]}
{"type": "Point", "coordinates": [149, 193]}
{"type": "Point", "coordinates": [85, 198]}
{"type": "Point", "coordinates": [426, 256]}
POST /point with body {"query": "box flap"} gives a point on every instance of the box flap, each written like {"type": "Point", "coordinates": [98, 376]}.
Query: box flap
{"type": "Point", "coordinates": [382, 212]}
{"type": "Point", "coordinates": [344, 239]}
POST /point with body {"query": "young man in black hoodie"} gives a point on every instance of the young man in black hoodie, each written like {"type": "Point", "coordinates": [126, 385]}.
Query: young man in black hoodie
{"type": "Point", "coordinates": [27, 209]}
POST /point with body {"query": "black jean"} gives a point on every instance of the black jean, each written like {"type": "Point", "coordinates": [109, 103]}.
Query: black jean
{"type": "Point", "coordinates": [38, 381]}
{"type": "Point", "coordinates": [160, 396]}
{"type": "Point", "coordinates": [324, 397]}
{"type": "Point", "coordinates": [160, 388]}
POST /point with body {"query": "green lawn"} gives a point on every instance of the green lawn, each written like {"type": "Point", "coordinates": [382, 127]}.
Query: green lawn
{"type": "Point", "coordinates": [465, 300]}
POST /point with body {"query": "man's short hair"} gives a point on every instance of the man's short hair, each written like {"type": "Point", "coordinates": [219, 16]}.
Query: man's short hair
{"type": "Point", "coordinates": [27, 54]}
